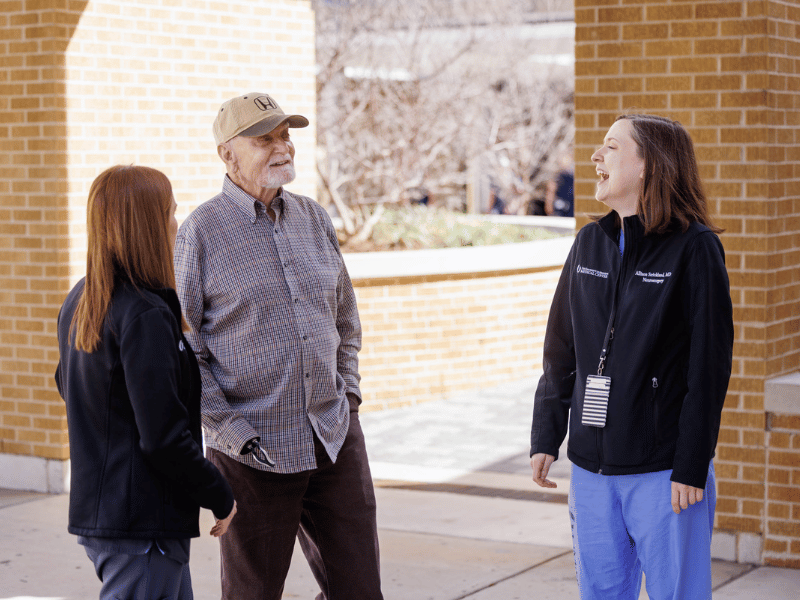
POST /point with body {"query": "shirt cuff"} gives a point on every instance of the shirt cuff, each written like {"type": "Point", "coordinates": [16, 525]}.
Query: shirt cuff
{"type": "Point", "coordinates": [234, 436]}
{"type": "Point", "coordinates": [354, 400]}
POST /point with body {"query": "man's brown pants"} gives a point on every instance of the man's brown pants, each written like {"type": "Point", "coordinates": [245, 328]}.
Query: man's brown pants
{"type": "Point", "coordinates": [330, 509]}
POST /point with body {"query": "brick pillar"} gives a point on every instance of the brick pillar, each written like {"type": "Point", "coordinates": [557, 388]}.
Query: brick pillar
{"type": "Point", "coordinates": [730, 73]}
{"type": "Point", "coordinates": [34, 245]}
{"type": "Point", "coordinates": [89, 84]}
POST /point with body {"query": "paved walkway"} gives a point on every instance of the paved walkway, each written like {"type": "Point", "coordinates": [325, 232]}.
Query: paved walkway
{"type": "Point", "coordinates": [459, 518]}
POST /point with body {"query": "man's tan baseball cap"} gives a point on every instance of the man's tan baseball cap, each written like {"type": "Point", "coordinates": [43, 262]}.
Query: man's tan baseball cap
{"type": "Point", "coordinates": [251, 115]}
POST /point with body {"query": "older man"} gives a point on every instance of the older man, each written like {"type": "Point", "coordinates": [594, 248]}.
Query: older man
{"type": "Point", "coordinates": [275, 327]}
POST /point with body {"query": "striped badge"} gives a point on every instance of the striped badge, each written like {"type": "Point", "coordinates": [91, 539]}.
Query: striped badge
{"type": "Point", "coordinates": [595, 400]}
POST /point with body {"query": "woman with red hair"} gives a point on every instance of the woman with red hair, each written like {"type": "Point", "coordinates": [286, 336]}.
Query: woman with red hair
{"type": "Point", "coordinates": [132, 390]}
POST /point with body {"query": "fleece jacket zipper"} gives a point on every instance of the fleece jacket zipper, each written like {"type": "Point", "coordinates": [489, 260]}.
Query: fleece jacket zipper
{"type": "Point", "coordinates": [617, 294]}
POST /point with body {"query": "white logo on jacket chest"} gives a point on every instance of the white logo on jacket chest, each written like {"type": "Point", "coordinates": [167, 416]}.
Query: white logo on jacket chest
{"type": "Point", "coordinates": [181, 347]}
{"type": "Point", "coordinates": [653, 277]}
{"type": "Point", "coordinates": [592, 272]}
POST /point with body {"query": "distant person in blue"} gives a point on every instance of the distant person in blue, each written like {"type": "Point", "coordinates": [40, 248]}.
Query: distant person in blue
{"type": "Point", "coordinates": [560, 198]}
{"type": "Point", "coordinates": [497, 206]}
{"type": "Point", "coordinates": [132, 390]}
{"type": "Point", "coordinates": [637, 359]}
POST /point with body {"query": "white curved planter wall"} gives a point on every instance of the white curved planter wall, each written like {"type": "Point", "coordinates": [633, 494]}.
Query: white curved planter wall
{"type": "Point", "coordinates": [439, 321]}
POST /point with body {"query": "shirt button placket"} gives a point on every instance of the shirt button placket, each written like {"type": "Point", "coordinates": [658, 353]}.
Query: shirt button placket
{"type": "Point", "coordinates": [305, 360]}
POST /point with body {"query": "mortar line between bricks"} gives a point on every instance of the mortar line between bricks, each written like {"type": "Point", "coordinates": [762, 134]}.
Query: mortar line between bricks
{"type": "Point", "coordinates": [512, 576]}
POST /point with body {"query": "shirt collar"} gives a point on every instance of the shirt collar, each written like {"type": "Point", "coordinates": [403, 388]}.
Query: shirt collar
{"type": "Point", "coordinates": [245, 201]}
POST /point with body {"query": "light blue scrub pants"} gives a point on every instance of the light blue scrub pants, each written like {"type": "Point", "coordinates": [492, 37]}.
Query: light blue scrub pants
{"type": "Point", "coordinates": [624, 524]}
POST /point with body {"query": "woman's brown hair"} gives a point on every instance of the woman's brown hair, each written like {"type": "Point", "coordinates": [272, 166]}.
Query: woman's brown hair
{"type": "Point", "coordinates": [127, 219]}
{"type": "Point", "coordinates": [671, 191]}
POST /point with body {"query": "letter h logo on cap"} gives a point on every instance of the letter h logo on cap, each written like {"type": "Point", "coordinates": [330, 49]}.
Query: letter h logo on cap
{"type": "Point", "coordinates": [265, 103]}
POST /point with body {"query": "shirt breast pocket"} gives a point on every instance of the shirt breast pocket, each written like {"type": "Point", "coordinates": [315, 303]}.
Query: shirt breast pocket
{"type": "Point", "coordinates": [319, 266]}
{"type": "Point", "coordinates": [319, 279]}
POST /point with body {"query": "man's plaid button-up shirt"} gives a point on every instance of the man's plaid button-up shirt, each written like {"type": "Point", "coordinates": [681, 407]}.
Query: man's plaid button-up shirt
{"type": "Point", "coordinates": [274, 325]}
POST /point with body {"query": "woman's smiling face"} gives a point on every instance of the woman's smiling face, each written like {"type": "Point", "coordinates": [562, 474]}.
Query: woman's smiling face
{"type": "Point", "coordinates": [621, 170]}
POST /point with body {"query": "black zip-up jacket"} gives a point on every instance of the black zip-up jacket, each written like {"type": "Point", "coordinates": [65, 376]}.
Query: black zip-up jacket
{"type": "Point", "coordinates": [669, 359]}
{"type": "Point", "coordinates": [133, 411]}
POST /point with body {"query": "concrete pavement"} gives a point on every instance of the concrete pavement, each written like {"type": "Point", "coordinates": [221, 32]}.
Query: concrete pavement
{"type": "Point", "coordinates": [457, 514]}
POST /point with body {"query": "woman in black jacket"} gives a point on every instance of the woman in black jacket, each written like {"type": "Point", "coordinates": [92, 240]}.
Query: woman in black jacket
{"type": "Point", "coordinates": [637, 359]}
{"type": "Point", "coordinates": [132, 390]}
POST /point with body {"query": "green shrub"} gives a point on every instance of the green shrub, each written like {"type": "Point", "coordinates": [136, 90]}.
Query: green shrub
{"type": "Point", "coordinates": [418, 227]}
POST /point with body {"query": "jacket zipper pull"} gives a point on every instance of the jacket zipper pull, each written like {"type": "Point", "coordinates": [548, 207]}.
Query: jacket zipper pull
{"type": "Point", "coordinates": [655, 382]}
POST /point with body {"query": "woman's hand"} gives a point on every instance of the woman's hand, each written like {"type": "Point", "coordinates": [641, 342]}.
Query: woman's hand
{"type": "Point", "coordinates": [540, 463]}
{"type": "Point", "coordinates": [221, 526]}
{"type": "Point", "coordinates": [684, 495]}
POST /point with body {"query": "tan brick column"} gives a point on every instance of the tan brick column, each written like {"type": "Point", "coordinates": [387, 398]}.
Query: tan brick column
{"type": "Point", "coordinates": [34, 242]}
{"type": "Point", "coordinates": [730, 72]}
{"type": "Point", "coordinates": [93, 83]}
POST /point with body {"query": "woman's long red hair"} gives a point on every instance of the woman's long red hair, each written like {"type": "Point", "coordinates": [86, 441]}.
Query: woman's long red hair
{"type": "Point", "coordinates": [127, 218]}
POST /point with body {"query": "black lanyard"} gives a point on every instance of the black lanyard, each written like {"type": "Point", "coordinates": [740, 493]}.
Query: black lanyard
{"type": "Point", "coordinates": [609, 337]}
{"type": "Point", "coordinates": [612, 316]}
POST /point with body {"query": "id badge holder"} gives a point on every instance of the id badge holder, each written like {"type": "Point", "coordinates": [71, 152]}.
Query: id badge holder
{"type": "Point", "coordinates": [595, 400]}
{"type": "Point", "coordinates": [598, 387]}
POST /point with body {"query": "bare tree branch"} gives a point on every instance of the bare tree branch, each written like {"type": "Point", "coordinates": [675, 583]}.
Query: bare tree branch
{"type": "Point", "coordinates": [414, 95]}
